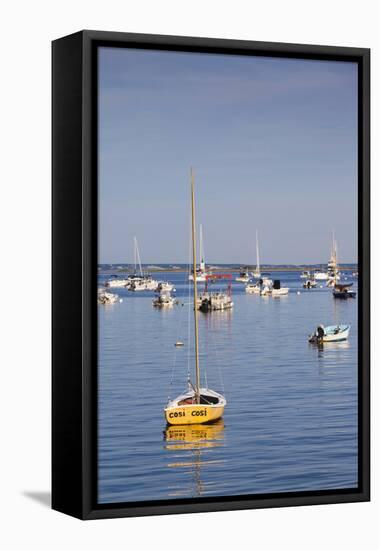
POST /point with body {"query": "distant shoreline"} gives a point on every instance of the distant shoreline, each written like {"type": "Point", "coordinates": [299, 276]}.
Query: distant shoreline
{"type": "Point", "coordinates": [220, 268]}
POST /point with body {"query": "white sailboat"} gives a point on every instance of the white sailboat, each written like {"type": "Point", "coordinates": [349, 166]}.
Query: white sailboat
{"type": "Point", "coordinates": [201, 271]}
{"type": "Point", "coordinates": [257, 271]}
{"type": "Point", "coordinates": [198, 405]}
{"type": "Point", "coordinates": [333, 271]}
{"type": "Point", "coordinates": [141, 281]}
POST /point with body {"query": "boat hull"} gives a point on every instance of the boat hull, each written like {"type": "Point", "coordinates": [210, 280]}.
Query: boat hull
{"type": "Point", "coordinates": [207, 306]}
{"type": "Point", "coordinates": [253, 289]}
{"type": "Point", "coordinates": [193, 414]}
{"type": "Point", "coordinates": [331, 335]}
{"type": "Point", "coordinates": [279, 292]}
{"type": "Point", "coordinates": [344, 295]}
{"type": "Point", "coordinates": [321, 276]}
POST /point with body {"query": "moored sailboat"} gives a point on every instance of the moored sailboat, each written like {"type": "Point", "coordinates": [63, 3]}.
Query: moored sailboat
{"type": "Point", "coordinates": [198, 405]}
{"type": "Point", "coordinates": [333, 271]}
{"type": "Point", "coordinates": [142, 281]}
{"type": "Point", "coordinates": [201, 271]}
{"type": "Point", "coordinates": [257, 271]}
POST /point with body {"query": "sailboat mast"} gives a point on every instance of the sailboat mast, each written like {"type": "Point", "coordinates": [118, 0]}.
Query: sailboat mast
{"type": "Point", "coordinates": [335, 258]}
{"type": "Point", "coordinates": [197, 389]}
{"type": "Point", "coordinates": [201, 244]}
{"type": "Point", "coordinates": [333, 247]}
{"type": "Point", "coordinates": [137, 257]}
{"type": "Point", "coordinates": [201, 250]}
{"type": "Point", "coordinates": [257, 250]}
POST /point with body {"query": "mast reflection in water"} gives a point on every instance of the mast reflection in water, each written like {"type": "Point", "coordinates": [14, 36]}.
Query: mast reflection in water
{"type": "Point", "coordinates": [194, 447]}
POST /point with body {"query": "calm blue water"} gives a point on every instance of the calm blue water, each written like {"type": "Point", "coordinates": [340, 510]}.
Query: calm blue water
{"type": "Point", "coordinates": [291, 419]}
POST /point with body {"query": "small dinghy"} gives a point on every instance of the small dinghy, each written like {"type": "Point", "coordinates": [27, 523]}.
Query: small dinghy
{"type": "Point", "coordinates": [310, 283]}
{"type": "Point", "coordinates": [343, 291]}
{"type": "Point", "coordinates": [244, 276]}
{"type": "Point", "coordinates": [332, 333]}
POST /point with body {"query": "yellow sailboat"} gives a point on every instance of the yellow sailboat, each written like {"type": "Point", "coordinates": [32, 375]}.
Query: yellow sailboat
{"type": "Point", "coordinates": [198, 405]}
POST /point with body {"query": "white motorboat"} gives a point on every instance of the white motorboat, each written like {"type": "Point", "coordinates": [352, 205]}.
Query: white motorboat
{"type": "Point", "coordinates": [332, 333]}
{"type": "Point", "coordinates": [320, 275]}
{"type": "Point", "coordinates": [279, 292]}
{"type": "Point", "coordinates": [164, 299]}
{"type": "Point", "coordinates": [105, 298]}
{"type": "Point", "coordinates": [165, 286]}
{"type": "Point", "coordinates": [305, 275]}
{"type": "Point", "coordinates": [275, 290]}
{"type": "Point", "coordinates": [142, 283]}
{"type": "Point", "coordinates": [244, 276]}
{"type": "Point", "coordinates": [117, 282]}
{"type": "Point", "coordinates": [253, 288]}
{"type": "Point", "coordinates": [309, 283]}
{"type": "Point", "coordinates": [216, 301]}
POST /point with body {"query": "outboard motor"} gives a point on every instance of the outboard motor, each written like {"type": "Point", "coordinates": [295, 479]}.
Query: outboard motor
{"type": "Point", "coordinates": [276, 284]}
{"type": "Point", "coordinates": [320, 332]}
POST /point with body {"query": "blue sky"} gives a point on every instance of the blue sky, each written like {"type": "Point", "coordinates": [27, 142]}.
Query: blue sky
{"type": "Point", "coordinates": [273, 143]}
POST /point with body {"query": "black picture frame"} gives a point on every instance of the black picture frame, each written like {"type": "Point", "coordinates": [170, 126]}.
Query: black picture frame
{"type": "Point", "coordinates": [74, 316]}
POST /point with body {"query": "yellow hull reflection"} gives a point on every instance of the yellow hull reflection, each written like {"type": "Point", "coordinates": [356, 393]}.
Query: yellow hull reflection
{"type": "Point", "coordinates": [193, 414]}
{"type": "Point", "coordinates": [195, 436]}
